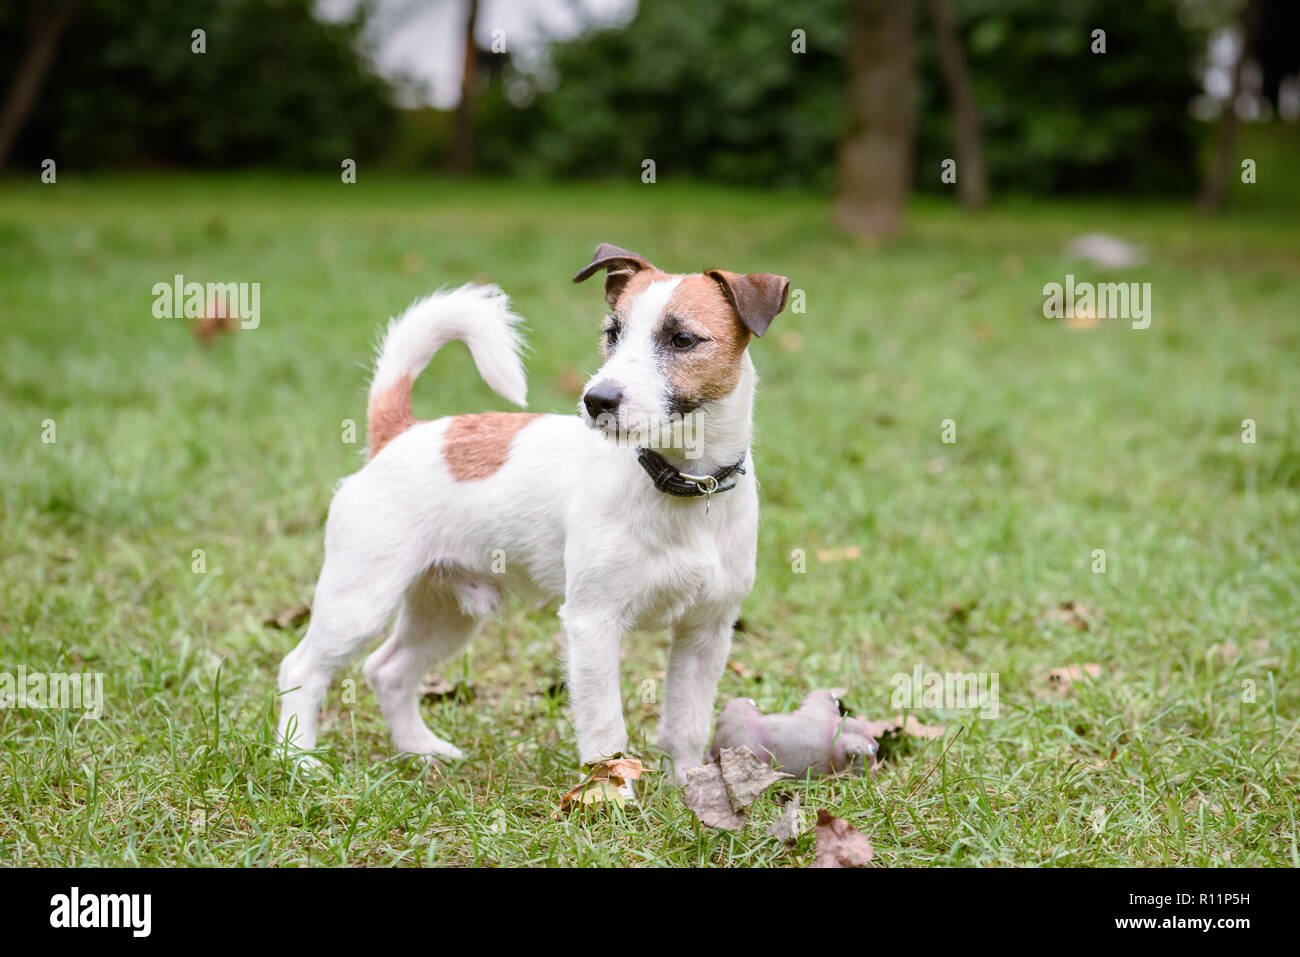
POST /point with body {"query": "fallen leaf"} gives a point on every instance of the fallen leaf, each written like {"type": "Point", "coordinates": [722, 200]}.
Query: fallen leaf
{"type": "Point", "coordinates": [216, 321]}
{"type": "Point", "coordinates": [745, 777]}
{"type": "Point", "coordinates": [618, 770]}
{"type": "Point", "coordinates": [790, 341]}
{"type": "Point", "coordinates": [1060, 679]}
{"type": "Point", "coordinates": [569, 382]}
{"type": "Point", "coordinates": [602, 791]}
{"type": "Point", "coordinates": [291, 618]}
{"type": "Point", "coordinates": [603, 782]}
{"type": "Point", "coordinates": [1081, 317]}
{"type": "Point", "coordinates": [1073, 614]}
{"type": "Point", "coordinates": [840, 844]}
{"type": "Point", "coordinates": [706, 795]}
{"type": "Point", "coordinates": [848, 553]}
{"type": "Point", "coordinates": [735, 667]}
{"type": "Point", "coordinates": [789, 825]}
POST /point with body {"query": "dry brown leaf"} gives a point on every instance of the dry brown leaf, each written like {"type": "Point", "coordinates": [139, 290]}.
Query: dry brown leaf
{"type": "Point", "coordinates": [569, 382]}
{"type": "Point", "coordinates": [1073, 614]}
{"type": "Point", "coordinates": [290, 618]}
{"type": "Point", "coordinates": [735, 667]}
{"type": "Point", "coordinates": [847, 553]}
{"type": "Point", "coordinates": [618, 770]}
{"type": "Point", "coordinates": [1060, 679]}
{"type": "Point", "coordinates": [589, 794]}
{"type": "Point", "coordinates": [706, 795]}
{"type": "Point", "coordinates": [789, 825]}
{"type": "Point", "coordinates": [745, 777]}
{"type": "Point", "coordinates": [216, 321]}
{"type": "Point", "coordinates": [601, 783]}
{"type": "Point", "coordinates": [840, 844]}
{"type": "Point", "coordinates": [1081, 317]}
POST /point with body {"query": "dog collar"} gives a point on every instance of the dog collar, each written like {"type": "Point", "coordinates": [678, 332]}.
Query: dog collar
{"type": "Point", "coordinates": [672, 482]}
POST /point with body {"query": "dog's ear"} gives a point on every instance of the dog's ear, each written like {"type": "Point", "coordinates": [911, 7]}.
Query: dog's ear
{"type": "Point", "coordinates": [619, 264]}
{"type": "Point", "coordinates": [757, 297]}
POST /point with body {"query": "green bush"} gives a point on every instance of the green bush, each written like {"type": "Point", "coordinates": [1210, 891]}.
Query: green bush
{"type": "Point", "coordinates": [715, 91]}
{"type": "Point", "coordinates": [275, 87]}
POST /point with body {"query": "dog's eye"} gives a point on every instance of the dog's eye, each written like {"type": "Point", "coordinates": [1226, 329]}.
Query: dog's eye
{"type": "Point", "coordinates": [682, 341]}
{"type": "Point", "coordinates": [611, 334]}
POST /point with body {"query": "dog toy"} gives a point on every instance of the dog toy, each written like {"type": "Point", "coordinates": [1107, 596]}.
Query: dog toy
{"type": "Point", "coordinates": [815, 738]}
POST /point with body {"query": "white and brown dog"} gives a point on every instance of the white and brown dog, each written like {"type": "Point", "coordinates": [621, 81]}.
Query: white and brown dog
{"type": "Point", "coordinates": [450, 514]}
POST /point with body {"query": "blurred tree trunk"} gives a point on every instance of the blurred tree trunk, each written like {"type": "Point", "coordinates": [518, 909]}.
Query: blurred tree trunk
{"type": "Point", "coordinates": [875, 156]}
{"type": "Point", "coordinates": [48, 21]}
{"type": "Point", "coordinates": [972, 185]}
{"type": "Point", "coordinates": [462, 147]}
{"type": "Point", "coordinates": [1216, 184]}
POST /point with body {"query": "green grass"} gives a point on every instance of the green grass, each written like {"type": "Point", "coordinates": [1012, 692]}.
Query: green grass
{"type": "Point", "coordinates": [1184, 751]}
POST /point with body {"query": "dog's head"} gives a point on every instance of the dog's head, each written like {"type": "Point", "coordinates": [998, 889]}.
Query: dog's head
{"type": "Point", "coordinates": [673, 344]}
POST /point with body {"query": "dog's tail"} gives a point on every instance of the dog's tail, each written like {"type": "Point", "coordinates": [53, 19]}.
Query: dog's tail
{"type": "Point", "coordinates": [478, 316]}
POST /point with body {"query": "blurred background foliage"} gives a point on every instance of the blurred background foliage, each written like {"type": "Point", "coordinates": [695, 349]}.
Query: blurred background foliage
{"type": "Point", "coordinates": [1055, 116]}
{"type": "Point", "coordinates": [279, 88]}
{"type": "Point", "coordinates": [708, 90]}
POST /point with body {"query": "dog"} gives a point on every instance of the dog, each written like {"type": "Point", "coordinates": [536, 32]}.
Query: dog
{"type": "Point", "coordinates": [600, 509]}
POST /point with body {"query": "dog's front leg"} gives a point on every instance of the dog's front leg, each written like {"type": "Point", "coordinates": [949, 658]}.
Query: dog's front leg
{"type": "Point", "coordinates": [695, 663]}
{"type": "Point", "coordinates": [594, 638]}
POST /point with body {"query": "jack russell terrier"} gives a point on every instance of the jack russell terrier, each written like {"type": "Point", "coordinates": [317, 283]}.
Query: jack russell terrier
{"type": "Point", "coordinates": [634, 533]}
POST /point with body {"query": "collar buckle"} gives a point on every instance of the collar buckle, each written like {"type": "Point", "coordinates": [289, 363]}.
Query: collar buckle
{"type": "Point", "coordinates": [707, 484]}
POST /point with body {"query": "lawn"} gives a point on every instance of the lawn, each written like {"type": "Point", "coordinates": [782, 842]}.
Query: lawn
{"type": "Point", "coordinates": [957, 557]}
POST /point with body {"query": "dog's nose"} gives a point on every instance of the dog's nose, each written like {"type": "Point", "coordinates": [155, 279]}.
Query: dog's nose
{"type": "Point", "coordinates": [603, 397]}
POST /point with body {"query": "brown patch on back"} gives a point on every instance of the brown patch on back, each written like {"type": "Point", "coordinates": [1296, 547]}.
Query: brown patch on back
{"type": "Point", "coordinates": [476, 446]}
{"type": "Point", "coordinates": [388, 414]}
{"type": "Point", "coordinates": [710, 370]}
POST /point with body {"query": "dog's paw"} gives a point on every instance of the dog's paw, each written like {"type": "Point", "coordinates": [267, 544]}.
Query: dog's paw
{"type": "Point", "coordinates": [432, 748]}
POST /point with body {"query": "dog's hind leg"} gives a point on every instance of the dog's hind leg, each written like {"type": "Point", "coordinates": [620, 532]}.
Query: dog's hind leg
{"type": "Point", "coordinates": [360, 586]}
{"type": "Point", "coordinates": [442, 612]}
{"type": "Point", "coordinates": [346, 613]}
